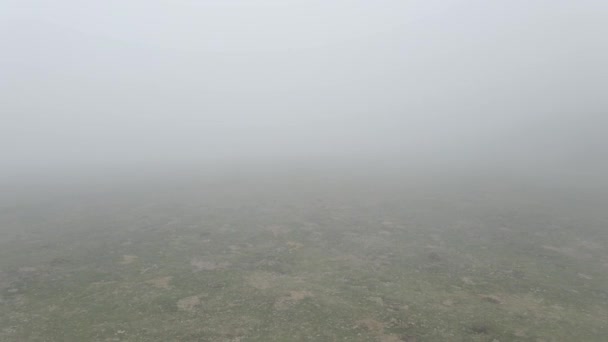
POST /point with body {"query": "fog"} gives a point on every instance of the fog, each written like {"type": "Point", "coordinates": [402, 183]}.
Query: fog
{"type": "Point", "coordinates": [516, 85]}
{"type": "Point", "coordinates": [257, 170]}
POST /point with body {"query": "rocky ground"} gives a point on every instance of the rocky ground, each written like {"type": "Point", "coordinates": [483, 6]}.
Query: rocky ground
{"type": "Point", "coordinates": [266, 261]}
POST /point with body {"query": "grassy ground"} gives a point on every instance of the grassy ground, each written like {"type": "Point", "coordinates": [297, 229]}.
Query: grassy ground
{"type": "Point", "coordinates": [304, 261]}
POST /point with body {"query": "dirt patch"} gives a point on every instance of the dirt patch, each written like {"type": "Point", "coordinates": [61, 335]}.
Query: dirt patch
{"type": "Point", "coordinates": [27, 269]}
{"type": "Point", "coordinates": [391, 338]}
{"type": "Point", "coordinates": [448, 303]}
{"type": "Point", "coordinates": [491, 299]}
{"type": "Point", "coordinates": [376, 328]}
{"type": "Point", "coordinates": [293, 298]}
{"type": "Point", "coordinates": [128, 259]}
{"type": "Point", "coordinates": [350, 260]}
{"type": "Point", "coordinates": [480, 328]}
{"type": "Point", "coordinates": [388, 223]}
{"type": "Point", "coordinates": [294, 246]}
{"type": "Point", "coordinates": [189, 303]}
{"type": "Point", "coordinates": [531, 305]}
{"type": "Point", "coordinates": [4, 281]}
{"type": "Point", "coordinates": [467, 281]}
{"type": "Point", "coordinates": [204, 265]}
{"type": "Point", "coordinates": [372, 325]}
{"type": "Point", "coordinates": [568, 252]}
{"type": "Point", "coordinates": [160, 282]}
{"type": "Point", "coordinates": [276, 230]}
{"type": "Point", "coordinates": [377, 300]}
{"type": "Point", "coordinates": [262, 280]}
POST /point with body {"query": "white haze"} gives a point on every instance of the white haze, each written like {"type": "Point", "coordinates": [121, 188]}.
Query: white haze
{"type": "Point", "coordinates": [96, 85]}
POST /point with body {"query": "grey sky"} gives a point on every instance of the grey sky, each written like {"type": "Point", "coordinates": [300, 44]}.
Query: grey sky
{"type": "Point", "coordinates": [94, 82]}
